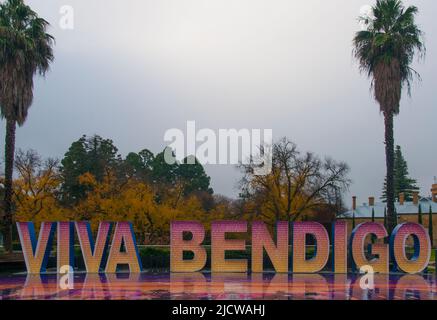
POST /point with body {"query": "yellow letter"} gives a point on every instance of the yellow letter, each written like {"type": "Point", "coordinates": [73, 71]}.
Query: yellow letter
{"type": "Point", "coordinates": [220, 245]}
{"type": "Point", "coordinates": [123, 234]}
{"type": "Point", "coordinates": [179, 245]}
{"type": "Point", "coordinates": [261, 240]}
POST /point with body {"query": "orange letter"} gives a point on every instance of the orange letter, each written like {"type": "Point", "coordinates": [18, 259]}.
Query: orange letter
{"type": "Point", "coordinates": [340, 247]}
{"type": "Point", "coordinates": [261, 240]}
{"type": "Point", "coordinates": [318, 262]}
{"type": "Point", "coordinates": [380, 250]}
{"type": "Point", "coordinates": [93, 253]}
{"type": "Point", "coordinates": [65, 243]}
{"type": "Point", "coordinates": [36, 254]}
{"type": "Point", "coordinates": [179, 245]}
{"type": "Point", "coordinates": [123, 234]}
{"type": "Point", "coordinates": [220, 245]}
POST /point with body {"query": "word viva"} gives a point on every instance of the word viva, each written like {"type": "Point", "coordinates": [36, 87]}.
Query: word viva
{"type": "Point", "coordinates": [366, 247]}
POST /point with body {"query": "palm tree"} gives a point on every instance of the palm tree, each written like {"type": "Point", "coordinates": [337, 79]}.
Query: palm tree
{"type": "Point", "coordinates": [385, 52]}
{"type": "Point", "coordinates": [25, 50]}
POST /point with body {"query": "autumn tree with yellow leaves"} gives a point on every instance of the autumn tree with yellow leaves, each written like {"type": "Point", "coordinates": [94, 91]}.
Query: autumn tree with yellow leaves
{"type": "Point", "coordinates": [299, 185]}
{"type": "Point", "coordinates": [36, 189]}
{"type": "Point", "coordinates": [134, 201]}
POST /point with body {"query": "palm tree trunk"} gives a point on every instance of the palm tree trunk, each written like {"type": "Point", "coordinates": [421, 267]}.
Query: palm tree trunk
{"type": "Point", "coordinates": [389, 154]}
{"type": "Point", "coordinates": [9, 167]}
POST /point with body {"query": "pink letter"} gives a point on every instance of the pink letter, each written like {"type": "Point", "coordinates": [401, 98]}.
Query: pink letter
{"type": "Point", "coordinates": [422, 248]}
{"type": "Point", "coordinates": [261, 240]}
{"type": "Point", "coordinates": [36, 254]}
{"type": "Point", "coordinates": [340, 247]}
{"type": "Point", "coordinates": [220, 244]}
{"type": "Point", "coordinates": [65, 243]}
{"type": "Point", "coordinates": [380, 250]}
{"type": "Point", "coordinates": [93, 254]}
{"type": "Point", "coordinates": [124, 234]}
{"type": "Point", "coordinates": [179, 246]}
{"type": "Point", "coordinates": [318, 262]}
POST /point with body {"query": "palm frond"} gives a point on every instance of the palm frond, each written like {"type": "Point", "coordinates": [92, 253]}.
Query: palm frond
{"type": "Point", "coordinates": [392, 40]}
{"type": "Point", "coordinates": [26, 49]}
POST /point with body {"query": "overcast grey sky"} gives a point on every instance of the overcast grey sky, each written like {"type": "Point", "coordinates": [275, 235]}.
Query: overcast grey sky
{"type": "Point", "coordinates": [132, 69]}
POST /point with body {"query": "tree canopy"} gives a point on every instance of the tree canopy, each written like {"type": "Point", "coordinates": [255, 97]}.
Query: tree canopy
{"type": "Point", "coordinates": [386, 49]}
{"type": "Point", "coordinates": [298, 186]}
{"type": "Point", "coordinates": [25, 49]}
{"type": "Point", "coordinates": [402, 181]}
{"type": "Point", "coordinates": [98, 156]}
{"type": "Point", "coordinates": [92, 155]}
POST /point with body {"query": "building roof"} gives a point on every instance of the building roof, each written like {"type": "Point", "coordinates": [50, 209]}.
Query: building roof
{"type": "Point", "coordinates": [408, 208]}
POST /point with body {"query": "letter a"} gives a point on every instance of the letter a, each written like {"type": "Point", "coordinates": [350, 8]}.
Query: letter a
{"type": "Point", "coordinates": [123, 234]}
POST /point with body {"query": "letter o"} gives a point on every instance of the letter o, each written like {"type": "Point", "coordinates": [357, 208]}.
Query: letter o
{"type": "Point", "coordinates": [422, 248]}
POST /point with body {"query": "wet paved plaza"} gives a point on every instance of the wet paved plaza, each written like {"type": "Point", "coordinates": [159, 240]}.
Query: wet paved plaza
{"type": "Point", "coordinates": [207, 286]}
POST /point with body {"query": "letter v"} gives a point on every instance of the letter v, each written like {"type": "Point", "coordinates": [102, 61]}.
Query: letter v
{"type": "Point", "coordinates": [93, 254]}
{"type": "Point", "coordinates": [36, 254]}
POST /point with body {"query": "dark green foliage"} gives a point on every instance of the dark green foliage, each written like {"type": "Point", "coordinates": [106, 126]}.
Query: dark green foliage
{"type": "Point", "coordinates": [25, 50]}
{"type": "Point", "coordinates": [386, 51]}
{"type": "Point", "coordinates": [189, 174]}
{"type": "Point", "coordinates": [402, 182]}
{"type": "Point", "coordinates": [164, 172]}
{"type": "Point", "coordinates": [419, 215]}
{"type": "Point", "coordinates": [98, 156]}
{"type": "Point", "coordinates": [186, 178]}
{"type": "Point", "coordinates": [93, 155]}
{"type": "Point", "coordinates": [193, 175]}
{"type": "Point", "coordinates": [139, 165]}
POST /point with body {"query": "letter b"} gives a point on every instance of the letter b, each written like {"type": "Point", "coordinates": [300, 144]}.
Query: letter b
{"type": "Point", "coordinates": [179, 246]}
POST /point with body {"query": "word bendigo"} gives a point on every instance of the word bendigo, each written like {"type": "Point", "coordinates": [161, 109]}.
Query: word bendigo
{"type": "Point", "coordinates": [366, 247]}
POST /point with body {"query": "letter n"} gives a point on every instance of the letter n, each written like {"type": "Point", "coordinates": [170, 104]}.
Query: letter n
{"type": "Point", "coordinates": [261, 240]}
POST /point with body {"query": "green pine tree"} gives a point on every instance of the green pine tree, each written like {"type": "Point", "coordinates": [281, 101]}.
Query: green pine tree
{"type": "Point", "coordinates": [87, 155]}
{"type": "Point", "coordinates": [385, 217]}
{"type": "Point", "coordinates": [420, 221]}
{"type": "Point", "coordinates": [402, 182]}
{"type": "Point", "coordinates": [430, 226]}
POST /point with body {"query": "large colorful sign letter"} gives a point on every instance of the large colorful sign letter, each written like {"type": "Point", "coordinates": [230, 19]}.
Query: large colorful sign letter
{"type": "Point", "coordinates": [36, 254]}
{"type": "Point", "coordinates": [261, 240]}
{"type": "Point", "coordinates": [93, 254]}
{"type": "Point", "coordinates": [422, 248]}
{"type": "Point", "coordinates": [179, 246]}
{"type": "Point", "coordinates": [321, 254]}
{"type": "Point", "coordinates": [220, 245]}
{"type": "Point", "coordinates": [123, 235]}
{"type": "Point", "coordinates": [378, 251]}
{"type": "Point", "coordinates": [339, 248]}
{"type": "Point", "coordinates": [65, 245]}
